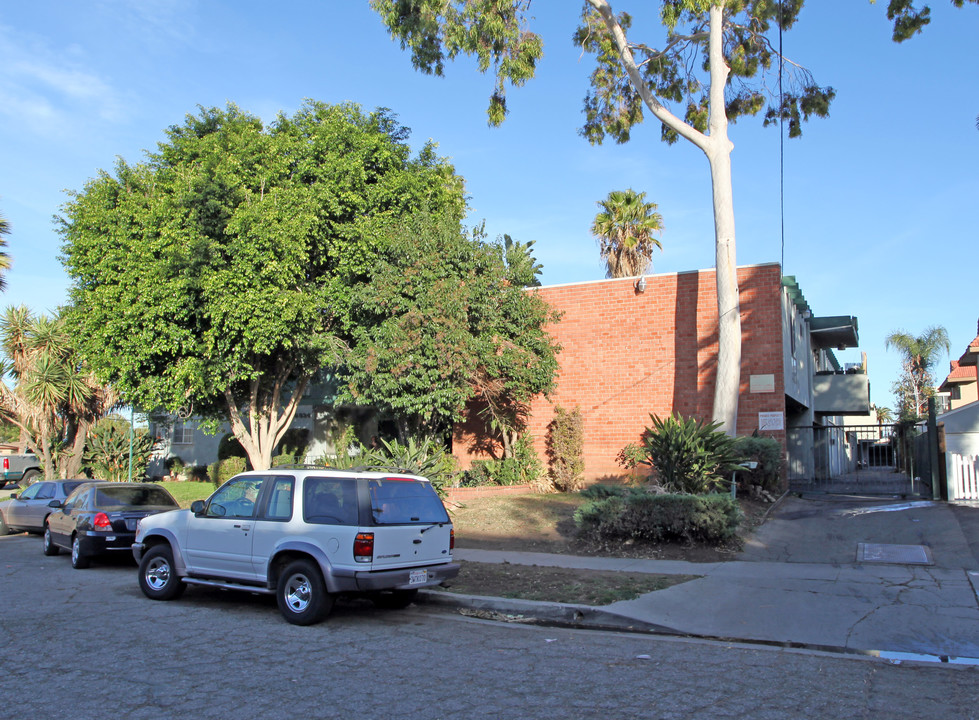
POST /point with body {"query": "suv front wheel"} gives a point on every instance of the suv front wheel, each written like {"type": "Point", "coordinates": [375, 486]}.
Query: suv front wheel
{"type": "Point", "coordinates": [301, 593]}
{"type": "Point", "coordinates": [157, 578]}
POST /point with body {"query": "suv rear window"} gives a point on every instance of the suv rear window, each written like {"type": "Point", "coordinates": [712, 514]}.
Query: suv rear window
{"type": "Point", "coordinates": [330, 501]}
{"type": "Point", "coordinates": [396, 501]}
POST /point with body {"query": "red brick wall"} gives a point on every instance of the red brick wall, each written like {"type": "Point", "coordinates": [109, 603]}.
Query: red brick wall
{"type": "Point", "coordinates": [627, 354]}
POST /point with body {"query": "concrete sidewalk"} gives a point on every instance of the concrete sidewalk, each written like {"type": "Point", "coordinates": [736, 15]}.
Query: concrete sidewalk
{"type": "Point", "coordinates": [831, 573]}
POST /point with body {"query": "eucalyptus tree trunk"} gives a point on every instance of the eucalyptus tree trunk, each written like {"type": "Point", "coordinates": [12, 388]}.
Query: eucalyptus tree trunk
{"type": "Point", "coordinates": [717, 146]}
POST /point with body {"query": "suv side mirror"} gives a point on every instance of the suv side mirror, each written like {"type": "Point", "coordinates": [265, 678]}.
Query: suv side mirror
{"type": "Point", "coordinates": [197, 507]}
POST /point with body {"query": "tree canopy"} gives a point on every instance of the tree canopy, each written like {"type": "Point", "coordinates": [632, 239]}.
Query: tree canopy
{"type": "Point", "coordinates": [920, 353]}
{"type": "Point", "coordinates": [444, 321]}
{"type": "Point", "coordinates": [214, 276]}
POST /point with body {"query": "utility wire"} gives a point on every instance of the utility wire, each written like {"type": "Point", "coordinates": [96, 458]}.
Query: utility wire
{"type": "Point", "coordinates": [781, 140]}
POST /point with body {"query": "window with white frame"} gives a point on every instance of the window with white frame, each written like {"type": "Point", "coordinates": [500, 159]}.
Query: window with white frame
{"type": "Point", "coordinates": [183, 433]}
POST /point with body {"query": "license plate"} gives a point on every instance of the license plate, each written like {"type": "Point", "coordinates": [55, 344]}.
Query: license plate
{"type": "Point", "coordinates": [416, 577]}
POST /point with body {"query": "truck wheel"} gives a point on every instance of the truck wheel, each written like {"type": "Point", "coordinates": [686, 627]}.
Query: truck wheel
{"type": "Point", "coordinates": [29, 478]}
{"type": "Point", "coordinates": [157, 577]}
{"type": "Point", "coordinates": [78, 561]}
{"type": "Point", "coordinates": [394, 599]}
{"type": "Point", "coordinates": [48, 545]}
{"type": "Point", "coordinates": [301, 593]}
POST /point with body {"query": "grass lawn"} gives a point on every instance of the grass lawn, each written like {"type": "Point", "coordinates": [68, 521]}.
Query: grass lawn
{"type": "Point", "coordinates": [186, 492]}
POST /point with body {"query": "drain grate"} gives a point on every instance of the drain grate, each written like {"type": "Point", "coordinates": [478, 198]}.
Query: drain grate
{"type": "Point", "coordinates": [894, 554]}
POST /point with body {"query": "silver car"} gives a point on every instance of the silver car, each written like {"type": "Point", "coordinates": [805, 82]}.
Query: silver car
{"type": "Point", "coordinates": [28, 510]}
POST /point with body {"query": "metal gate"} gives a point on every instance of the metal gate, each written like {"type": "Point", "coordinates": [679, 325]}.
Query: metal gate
{"type": "Point", "coordinates": [854, 459]}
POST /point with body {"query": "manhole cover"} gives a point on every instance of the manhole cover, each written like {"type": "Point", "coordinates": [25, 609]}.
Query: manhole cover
{"type": "Point", "coordinates": [894, 554]}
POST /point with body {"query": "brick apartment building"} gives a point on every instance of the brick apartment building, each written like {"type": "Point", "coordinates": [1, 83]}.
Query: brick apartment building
{"type": "Point", "coordinates": [631, 349]}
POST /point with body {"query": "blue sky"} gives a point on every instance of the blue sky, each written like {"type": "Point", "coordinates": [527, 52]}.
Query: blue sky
{"type": "Point", "coordinates": [880, 207]}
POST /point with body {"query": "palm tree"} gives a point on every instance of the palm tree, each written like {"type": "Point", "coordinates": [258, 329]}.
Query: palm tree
{"type": "Point", "coordinates": [920, 355]}
{"type": "Point", "coordinates": [4, 257]}
{"type": "Point", "coordinates": [53, 399]}
{"type": "Point", "coordinates": [884, 415]}
{"type": "Point", "coordinates": [625, 229]}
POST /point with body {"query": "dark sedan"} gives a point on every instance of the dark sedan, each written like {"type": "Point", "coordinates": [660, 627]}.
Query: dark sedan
{"type": "Point", "coordinates": [28, 510]}
{"type": "Point", "coordinates": [101, 517]}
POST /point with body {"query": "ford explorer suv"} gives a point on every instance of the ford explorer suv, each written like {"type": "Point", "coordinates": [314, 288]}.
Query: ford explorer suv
{"type": "Point", "coordinates": [306, 536]}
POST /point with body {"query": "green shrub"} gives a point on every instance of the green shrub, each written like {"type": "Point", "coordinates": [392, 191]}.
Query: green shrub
{"type": "Point", "coordinates": [767, 453]}
{"type": "Point", "coordinates": [524, 468]}
{"type": "Point", "coordinates": [601, 491]}
{"type": "Point", "coordinates": [565, 447]}
{"type": "Point", "coordinates": [710, 519]}
{"type": "Point", "coordinates": [221, 471]}
{"type": "Point", "coordinates": [197, 473]}
{"type": "Point", "coordinates": [229, 446]}
{"type": "Point", "coordinates": [107, 450]}
{"type": "Point", "coordinates": [689, 456]}
{"type": "Point", "coordinates": [174, 465]}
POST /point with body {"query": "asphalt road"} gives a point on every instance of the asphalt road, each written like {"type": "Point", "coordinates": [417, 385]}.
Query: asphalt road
{"type": "Point", "coordinates": [87, 644]}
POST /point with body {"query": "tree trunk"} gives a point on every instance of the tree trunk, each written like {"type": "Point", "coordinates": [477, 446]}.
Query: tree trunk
{"type": "Point", "coordinates": [717, 147]}
{"type": "Point", "coordinates": [728, 383]}
{"type": "Point", "coordinates": [266, 424]}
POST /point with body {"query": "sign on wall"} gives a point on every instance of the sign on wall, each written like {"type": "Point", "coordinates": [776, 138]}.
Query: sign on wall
{"type": "Point", "coordinates": [771, 421]}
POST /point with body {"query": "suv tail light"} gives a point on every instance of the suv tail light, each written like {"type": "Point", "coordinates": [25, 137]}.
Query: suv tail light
{"type": "Point", "coordinates": [102, 522]}
{"type": "Point", "coordinates": [452, 539]}
{"type": "Point", "coordinates": [364, 547]}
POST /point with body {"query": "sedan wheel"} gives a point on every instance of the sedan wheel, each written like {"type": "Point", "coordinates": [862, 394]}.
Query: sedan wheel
{"type": "Point", "coordinates": [3, 525]}
{"type": "Point", "coordinates": [48, 545]}
{"type": "Point", "coordinates": [78, 561]}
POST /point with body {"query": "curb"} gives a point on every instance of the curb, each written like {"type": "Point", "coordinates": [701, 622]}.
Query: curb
{"type": "Point", "coordinates": [540, 613]}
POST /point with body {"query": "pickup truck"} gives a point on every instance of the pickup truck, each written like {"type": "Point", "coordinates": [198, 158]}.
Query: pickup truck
{"type": "Point", "coordinates": [23, 469]}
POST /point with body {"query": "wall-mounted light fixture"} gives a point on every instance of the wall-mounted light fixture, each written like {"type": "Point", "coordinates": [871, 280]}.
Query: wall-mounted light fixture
{"type": "Point", "coordinates": [641, 284]}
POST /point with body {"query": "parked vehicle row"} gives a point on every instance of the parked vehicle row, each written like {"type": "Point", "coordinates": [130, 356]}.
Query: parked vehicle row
{"type": "Point", "coordinates": [305, 535]}
{"type": "Point", "coordinates": [28, 510]}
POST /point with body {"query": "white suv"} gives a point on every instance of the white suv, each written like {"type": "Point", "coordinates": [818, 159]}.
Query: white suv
{"type": "Point", "coordinates": [305, 535]}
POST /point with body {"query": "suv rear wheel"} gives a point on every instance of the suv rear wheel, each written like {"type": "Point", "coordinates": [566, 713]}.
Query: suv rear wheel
{"type": "Point", "coordinates": [301, 593]}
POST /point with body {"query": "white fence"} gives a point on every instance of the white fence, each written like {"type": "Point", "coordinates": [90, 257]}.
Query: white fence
{"type": "Point", "coordinates": [963, 476]}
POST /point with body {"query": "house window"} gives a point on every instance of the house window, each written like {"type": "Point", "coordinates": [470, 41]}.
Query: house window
{"type": "Point", "coordinates": [183, 433]}
{"type": "Point", "coordinates": [956, 392]}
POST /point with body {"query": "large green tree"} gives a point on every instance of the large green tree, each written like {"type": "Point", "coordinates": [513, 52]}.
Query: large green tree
{"type": "Point", "coordinates": [48, 391]}
{"type": "Point", "coordinates": [214, 276]}
{"type": "Point", "coordinates": [709, 67]}
{"type": "Point", "coordinates": [625, 229]}
{"type": "Point", "coordinates": [920, 354]}
{"type": "Point", "coordinates": [443, 323]}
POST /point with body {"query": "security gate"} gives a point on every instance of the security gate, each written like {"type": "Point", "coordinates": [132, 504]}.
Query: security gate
{"type": "Point", "coordinates": [854, 459]}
